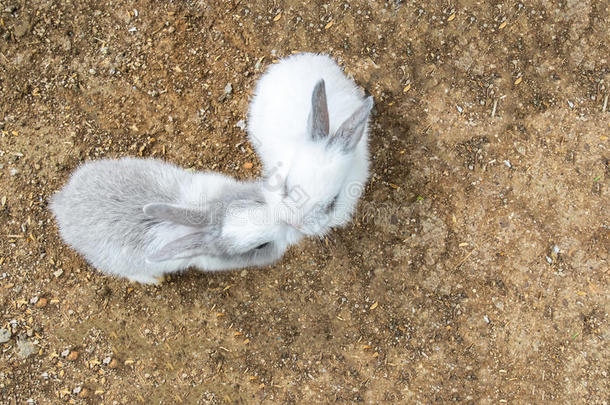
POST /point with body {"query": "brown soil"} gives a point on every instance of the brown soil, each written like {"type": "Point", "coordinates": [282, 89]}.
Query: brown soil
{"type": "Point", "coordinates": [476, 270]}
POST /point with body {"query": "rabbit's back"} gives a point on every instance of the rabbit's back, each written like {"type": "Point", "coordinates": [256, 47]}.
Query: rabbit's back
{"type": "Point", "coordinates": [99, 210]}
{"type": "Point", "coordinates": [114, 191]}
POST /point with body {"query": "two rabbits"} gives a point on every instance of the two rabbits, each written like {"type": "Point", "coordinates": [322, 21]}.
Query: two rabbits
{"type": "Point", "coordinates": [142, 218]}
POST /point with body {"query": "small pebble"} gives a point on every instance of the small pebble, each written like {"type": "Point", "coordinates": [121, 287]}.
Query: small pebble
{"type": "Point", "coordinates": [5, 335]}
{"type": "Point", "coordinates": [25, 348]}
{"type": "Point", "coordinates": [228, 88]}
{"type": "Point", "coordinates": [226, 93]}
{"type": "Point", "coordinates": [42, 302]}
{"type": "Point", "coordinates": [72, 356]}
{"type": "Point", "coordinates": [241, 124]}
{"type": "Point", "coordinates": [58, 273]}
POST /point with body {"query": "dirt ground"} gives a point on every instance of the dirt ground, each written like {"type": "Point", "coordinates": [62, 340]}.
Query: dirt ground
{"type": "Point", "coordinates": [476, 270]}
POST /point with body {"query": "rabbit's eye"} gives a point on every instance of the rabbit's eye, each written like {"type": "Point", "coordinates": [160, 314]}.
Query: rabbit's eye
{"type": "Point", "coordinates": [264, 245]}
{"type": "Point", "coordinates": [332, 204]}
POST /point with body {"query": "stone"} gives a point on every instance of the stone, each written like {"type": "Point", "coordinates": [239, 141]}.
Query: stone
{"type": "Point", "coordinates": [25, 348]}
{"type": "Point", "coordinates": [5, 335]}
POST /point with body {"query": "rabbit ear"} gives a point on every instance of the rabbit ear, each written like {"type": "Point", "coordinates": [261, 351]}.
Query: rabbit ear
{"type": "Point", "coordinates": [179, 214]}
{"type": "Point", "coordinates": [318, 117]}
{"type": "Point", "coordinates": [351, 131]}
{"type": "Point", "coordinates": [191, 245]}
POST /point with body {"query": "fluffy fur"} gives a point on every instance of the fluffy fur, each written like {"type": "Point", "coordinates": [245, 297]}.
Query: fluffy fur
{"type": "Point", "coordinates": [142, 218]}
{"type": "Point", "coordinates": [309, 125]}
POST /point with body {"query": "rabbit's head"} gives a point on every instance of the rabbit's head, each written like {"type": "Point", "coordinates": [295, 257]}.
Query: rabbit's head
{"type": "Point", "coordinates": [314, 193]}
{"type": "Point", "coordinates": [238, 229]}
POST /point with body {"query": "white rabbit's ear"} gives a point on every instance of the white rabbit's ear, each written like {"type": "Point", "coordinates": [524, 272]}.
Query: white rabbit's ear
{"type": "Point", "coordinates": [179, 214]}
{"type": "Point", "coordinates": [351, 131]}
{"type": "Point", "coordinates": [317, 123]}
{"type": "Point", "coordinates": [191, 245]}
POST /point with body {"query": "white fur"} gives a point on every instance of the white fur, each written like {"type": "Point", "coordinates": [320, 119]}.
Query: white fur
{"type": "Point", "coordinates": [100, 214]}
{"type": "Point", "coordinates": [278, 129]}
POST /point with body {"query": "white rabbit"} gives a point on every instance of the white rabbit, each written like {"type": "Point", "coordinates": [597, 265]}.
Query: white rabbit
{"type": "Point", "coordinates": [142, 218]}
{"type": "Point", "coordinates": [309, 124]}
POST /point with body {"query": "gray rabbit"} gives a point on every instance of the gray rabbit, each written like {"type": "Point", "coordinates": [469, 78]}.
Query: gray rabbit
{"type": "Point", "coordinates": [142, 218]}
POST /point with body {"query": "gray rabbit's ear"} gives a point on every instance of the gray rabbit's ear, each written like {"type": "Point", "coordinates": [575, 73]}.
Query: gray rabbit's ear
{"type": "Point", "coordinates": [351, 131]}
{"type": "Point", "coordinates": [179, 214]}
{"type": "Point", "coordinates": [317, 124]}
{"type": "Point", "coordinates": [191, 245]}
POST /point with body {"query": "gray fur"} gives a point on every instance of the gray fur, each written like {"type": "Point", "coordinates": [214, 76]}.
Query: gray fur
{"type": "Point", "coordinates": [108, 195]}
{"type": "Point", "coordinates": [243, 191]}
{"type": "Point", "coordinates": [179, 214]}
{"type": "Point", "coordinates": [318, 117]}
{"type": "Point", "coordinates": [188, 246]}
{"type": "Point", "coordinates": [350, 132]}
